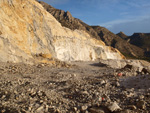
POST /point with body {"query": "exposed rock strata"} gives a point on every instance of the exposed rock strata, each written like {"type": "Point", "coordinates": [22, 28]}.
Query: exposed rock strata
{"type": "Point", "coordinates": [30, 34]}
{"type": "Point", "coordinates": [67, 20]}
{"type": "Point", "coordinates": [100, 33]}
{"type": "Point", "coordinates": [115, 41]}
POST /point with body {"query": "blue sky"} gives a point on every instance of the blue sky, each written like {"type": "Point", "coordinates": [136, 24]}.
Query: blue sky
{"type": "Point", "coordinates": [128, 16]}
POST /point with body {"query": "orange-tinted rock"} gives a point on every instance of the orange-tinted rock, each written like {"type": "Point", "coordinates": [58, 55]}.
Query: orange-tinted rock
{"type": "Point", "coordinates": [28, 30]}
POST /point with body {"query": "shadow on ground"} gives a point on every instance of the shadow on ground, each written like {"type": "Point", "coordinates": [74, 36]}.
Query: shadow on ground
{"type": "Point", "coordinates": [99, 65]}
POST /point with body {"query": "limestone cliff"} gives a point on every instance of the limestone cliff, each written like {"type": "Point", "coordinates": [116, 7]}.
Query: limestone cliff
{"type": "Point", "coordinates": [28, 33]}
{"type": "Point", "coordinates": [98, 32]}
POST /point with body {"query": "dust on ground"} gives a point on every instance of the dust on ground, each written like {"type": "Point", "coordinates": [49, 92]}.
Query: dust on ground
{"type": "Point", "coordinates": [86, 87]}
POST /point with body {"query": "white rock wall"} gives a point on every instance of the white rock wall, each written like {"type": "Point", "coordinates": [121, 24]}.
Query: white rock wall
{"type": "Point", "coordinates": [28, 30]}
{"type": "Point", "coordinates": [75, 49]}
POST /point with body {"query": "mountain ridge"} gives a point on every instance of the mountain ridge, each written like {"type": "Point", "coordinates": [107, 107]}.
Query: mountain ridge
{"type": "Point", "coordinates": [122, 35]}
{"type": "Point", "coordinates": [141, 40]}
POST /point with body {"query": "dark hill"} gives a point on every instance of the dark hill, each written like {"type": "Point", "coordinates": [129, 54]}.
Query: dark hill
{"type": "Point", "coordinates": [115, 41]}
{"type": "Point", "coordinates": [141, 40]}
{"type": "Point", "coordinates": [122, 35]}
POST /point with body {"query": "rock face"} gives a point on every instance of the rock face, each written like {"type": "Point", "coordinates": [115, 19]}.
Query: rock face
{"type": "Point", "coordinates": [122, 45]}
{"type": "Point", "coordinates": [66, 20]}
{"type": "Point", "coordinates": [25, 31]}
{"type": "Point", "coordinates": [28, 33]}
{"type": "Point", "coordinates": [100, 33]}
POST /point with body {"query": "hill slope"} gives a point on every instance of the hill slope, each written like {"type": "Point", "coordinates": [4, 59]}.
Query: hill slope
{"type": "Point", "coordinates": [28, 33]}
{"type": "Point", "coordinates": [100, 33]}
{"type": "Point", "coordinates": [122, 35]}
{"type": "Point", "coordinates": [141, 40]}
{"type": "Point", "coordinates": [66, 20]}
{"type": "Point", "coordinates": [115, 41]}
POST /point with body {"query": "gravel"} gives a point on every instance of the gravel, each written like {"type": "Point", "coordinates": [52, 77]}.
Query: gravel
{"type": "Point", "coordinates": [84, 87]}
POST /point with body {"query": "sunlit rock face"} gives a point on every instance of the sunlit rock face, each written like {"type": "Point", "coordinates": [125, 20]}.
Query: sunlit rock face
{"type": "Point", "coordinates": [25, 31]}
{"type": "Point", "coordinates": [28, 31]}
{"type": "Point", "coordinates": [72, 49]}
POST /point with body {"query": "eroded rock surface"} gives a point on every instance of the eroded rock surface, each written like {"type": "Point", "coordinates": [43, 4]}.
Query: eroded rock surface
{"type": "Point", "coordinates": [98, 32]}
{"type": "Point", "coordinates": [28, 31]}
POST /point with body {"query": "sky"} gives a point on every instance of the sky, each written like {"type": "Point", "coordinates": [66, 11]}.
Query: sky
{"type": "Point", "coordinates": [128, 16]}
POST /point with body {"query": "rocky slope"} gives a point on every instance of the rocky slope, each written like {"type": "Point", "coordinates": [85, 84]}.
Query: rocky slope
{"type": "Point", "coordinates": [28, 33]}
{"type": "Point", "coordinates": [100, 33]}
{"type": "Point", "coordinates": [122, 35]}
{"type": "Point", "coordinates": [141, 40]}
{"type": "Point", "coordinates": [66, 20]}
{"type": "Point", "coordinates": [115, 41]}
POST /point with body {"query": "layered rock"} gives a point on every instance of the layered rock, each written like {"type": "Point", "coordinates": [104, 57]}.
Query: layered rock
{"type": "Point", "coordinates": [122, 45]}
{"type": "Point", "coordinates": [28, 33]}
{"type": "Point", "coordinates": [67, 20]}
{"type": "Point", "coordinates": [25, 31]}
{"type": "Point", "coordinates": [100, 33]}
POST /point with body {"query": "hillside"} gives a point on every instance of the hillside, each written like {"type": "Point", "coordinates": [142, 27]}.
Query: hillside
{"type": "Point", "coordinates": [141, 40]}
{"type": "Point", "coordinates": [115, 41]}
{"type": "Point", "coordinates": [100, 33]}
{"type": "Point", "coordinates": [49, 68]}
{"type": "Point", "coordinates": [66, 20]}
{"type": "Point", "coordinates": [29, 34]}
{"type": "Point", "coordinates": [122, 35]}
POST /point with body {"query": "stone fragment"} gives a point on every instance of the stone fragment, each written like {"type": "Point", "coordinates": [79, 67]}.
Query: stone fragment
{"type": "Point", "coordinates": [114, 107]}
{"type": "Point", "coordinates": [84, 93]}
{"type": "Point", "coordinates": [84, 108]}
{"type": "Point", "coordinates": [145, 71]}
{"type": "Point", "coordinates": [117, 84]}
{"type": "Point", "coordinates": [132, 107]}
{"type": "Point", "coordinates": [141, 104]}
{"type": "Point", "coordinates": [141, 97]}
{"type": "Point", "coordinates": [102, 82]}
{"type": "Point", "coordinates": [40, 109]}
{"type": "Point", "coordinates": [75, 109]}
{"type": "Point", "coordinates": [127, 111]}
{"type": "Point", "coordinates": [96, 110]}
{"type": "Point", "coordinates": [46, 108]}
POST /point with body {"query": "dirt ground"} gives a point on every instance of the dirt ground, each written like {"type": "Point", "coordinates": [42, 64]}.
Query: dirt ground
{"type": "Point", "coordinates": [84, 87]}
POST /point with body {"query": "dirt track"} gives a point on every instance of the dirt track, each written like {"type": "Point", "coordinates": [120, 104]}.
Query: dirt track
{"type": "Point", "coordinates": [86, 87]}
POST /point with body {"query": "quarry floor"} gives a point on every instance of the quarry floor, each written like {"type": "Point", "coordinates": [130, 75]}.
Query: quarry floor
{"type": "Point", "coordinates": [83, 87]}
